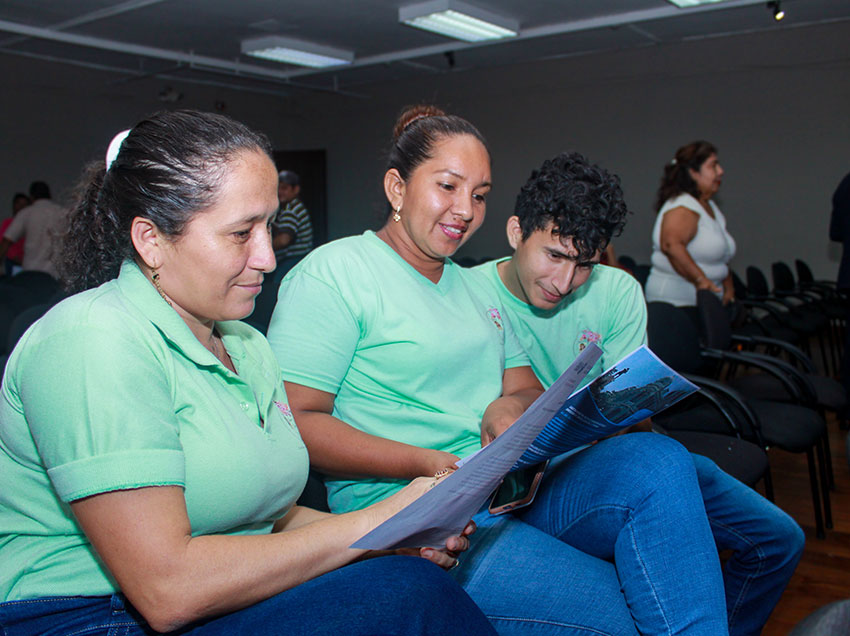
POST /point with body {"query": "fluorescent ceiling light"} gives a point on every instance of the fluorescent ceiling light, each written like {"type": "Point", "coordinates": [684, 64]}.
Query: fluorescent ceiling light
{"type": "Point", "coordinates": [292, 51]}
{"type": "Point", "coordinates": [458, 20]}
{"type": "Point", "coordinates": [683, 4]}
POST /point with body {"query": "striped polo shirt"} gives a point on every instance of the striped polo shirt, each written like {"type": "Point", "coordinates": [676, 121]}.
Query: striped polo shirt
{"type": "Point", "coordinates": [294, 218]}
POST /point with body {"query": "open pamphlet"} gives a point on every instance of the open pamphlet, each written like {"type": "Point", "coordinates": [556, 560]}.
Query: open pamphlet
{"type": "Point", "coordinates": [559, 421]}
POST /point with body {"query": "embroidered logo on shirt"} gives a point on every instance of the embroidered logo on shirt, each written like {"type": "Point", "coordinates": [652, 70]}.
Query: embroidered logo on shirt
{"type": "Point", "coordinates": [586, 337]}
{"type": "Point", "coordinates": [495, 316]}
{"type": "Point", "coordinates": [286, 412]}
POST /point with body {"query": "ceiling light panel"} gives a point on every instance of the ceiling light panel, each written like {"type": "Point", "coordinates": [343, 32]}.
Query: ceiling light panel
{"type": "Point", "coordinates": [299, 52]}
{"type": "Point", "coordinates": [458, 20]}
{"type": "Point", "coordinates": [684, 4]}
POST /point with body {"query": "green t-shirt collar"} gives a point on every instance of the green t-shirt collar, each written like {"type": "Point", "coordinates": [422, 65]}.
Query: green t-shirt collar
{"type": "Point", "coordinates": [139, 291]}
{"type": "Point", "coordinates": [446, 277]}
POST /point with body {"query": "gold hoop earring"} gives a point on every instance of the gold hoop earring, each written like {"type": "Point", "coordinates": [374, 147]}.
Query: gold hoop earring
{"type": "Point", "coordinates": [396, 215]}
{"type": "Point", "coordinates": [155, 279]}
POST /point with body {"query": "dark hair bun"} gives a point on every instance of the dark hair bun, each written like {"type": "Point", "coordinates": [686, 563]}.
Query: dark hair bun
{"type": "Point", "coordinates": [413, 113]}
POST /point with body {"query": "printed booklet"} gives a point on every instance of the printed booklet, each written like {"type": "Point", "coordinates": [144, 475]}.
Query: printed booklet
{"type": "Point", "coordinates": [561, 420]}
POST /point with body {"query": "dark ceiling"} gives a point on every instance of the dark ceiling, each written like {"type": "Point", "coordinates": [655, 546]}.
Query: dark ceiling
{"type": "Point", "coordinates": [199, 40]}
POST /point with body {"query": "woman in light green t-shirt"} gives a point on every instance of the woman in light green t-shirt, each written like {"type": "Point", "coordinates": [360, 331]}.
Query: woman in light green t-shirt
{"type": "Point", "coordinates": [416, 366]}
{"type": "Point", "coordinates": [149, 460]}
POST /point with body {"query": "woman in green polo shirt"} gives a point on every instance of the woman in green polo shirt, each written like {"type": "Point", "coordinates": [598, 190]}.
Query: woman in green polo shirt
{"type": "Point", "coordinates": [417, 365]}
{"type": "Point", "coordinates": [149, 461]}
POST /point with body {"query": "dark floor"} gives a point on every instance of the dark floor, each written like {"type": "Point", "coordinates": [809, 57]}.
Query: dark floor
{"type": "Point", "coordinates": [823, 575]}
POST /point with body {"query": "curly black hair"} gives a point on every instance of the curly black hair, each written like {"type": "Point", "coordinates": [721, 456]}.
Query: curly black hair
{"type": "Point", "coordinates": [582, 201]}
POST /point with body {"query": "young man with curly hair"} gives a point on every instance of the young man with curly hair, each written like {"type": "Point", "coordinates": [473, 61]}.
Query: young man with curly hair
{"type": "Point", "coordinates": [559, 299]}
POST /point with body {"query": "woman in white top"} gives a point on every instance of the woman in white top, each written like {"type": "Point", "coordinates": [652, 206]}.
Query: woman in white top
{"type": "Point", "coordinates": [691, 247]}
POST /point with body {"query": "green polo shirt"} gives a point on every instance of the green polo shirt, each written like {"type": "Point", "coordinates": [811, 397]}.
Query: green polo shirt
{"type": "Point", "coordinates": [407, 359]}
{"type": "Point", "coordinates": [110, 390]}
{"type": "Point", "coordinates": [608, 310]}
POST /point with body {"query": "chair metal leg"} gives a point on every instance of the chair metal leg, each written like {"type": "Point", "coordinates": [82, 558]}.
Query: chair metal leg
{"type": "Point", "coordinates": [768, 485]}
{"type": "Point", "coordinates": [813, 480]}
{"type": "Point", "coordinates": [830, 473]}
{"type": "Point", "coordinates": [824, 484]}
{"type": "Point", "coordinates": [830, 340]}
{"type": "Point", "coordinates": [823, 353]}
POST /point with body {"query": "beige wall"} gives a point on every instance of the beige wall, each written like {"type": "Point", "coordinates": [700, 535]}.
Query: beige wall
{"type": "Point", "coordinates": [775, 103]}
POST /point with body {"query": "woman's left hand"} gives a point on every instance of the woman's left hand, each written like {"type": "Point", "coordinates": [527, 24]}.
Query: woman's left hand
{"type": "Point", "coordinates": [728, 290]}
{"type": "Point", "coordinates": [446, 558]}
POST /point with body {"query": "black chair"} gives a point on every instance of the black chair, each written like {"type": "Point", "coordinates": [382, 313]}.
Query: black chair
{"type": "Point", "coordinates": [314, 495]}
{"type": "Point", "coordinates": [818, 391]}
{"type": "Point", "coordinates": [641, 273]}
{"type": "Point", "coordinates": [742, 459]}
{"type": "Point", "coordinates": [23, 321]}
{"type": "Point", "coordinates": [789, 427]}
{"type": "Point", "coordinates": [830, 620]}
{"type": "Point", "coordinates": [25, 290]}
{"type": "Point", "coordinates": [755, 318]}
{"type": "Point", "coordinates": [628, 262]}
{"type": "Point", "coordinates": [798, 383]}
{"type": "Point", "coordinates": [784, 286]}
{"type": "Point", "coordinates": [806, 321]}
{"type": "Point", "coordinates": [807, 279]}
{"type": "Point", "coordinates": [722, 442]}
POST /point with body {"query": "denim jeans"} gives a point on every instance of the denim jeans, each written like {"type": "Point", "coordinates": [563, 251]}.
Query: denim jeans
{"type": "Point", "coordinates": [766, 545]}
{"type": "Point", "coordinates": [619, 542]}
{"type": "Point", "coordinates": [387, 596]}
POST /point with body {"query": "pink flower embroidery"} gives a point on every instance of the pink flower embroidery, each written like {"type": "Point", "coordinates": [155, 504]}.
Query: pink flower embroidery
{"type": "Point", "coordinates": [495, 316]}
{"type": "Point", "coordinates": [283, 408]}
{"type": "Point", "coordinates": [587, 336]}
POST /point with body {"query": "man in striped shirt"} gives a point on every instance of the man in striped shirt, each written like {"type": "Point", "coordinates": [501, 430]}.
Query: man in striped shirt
{"type": "Point", "coordinates": [292, 232]}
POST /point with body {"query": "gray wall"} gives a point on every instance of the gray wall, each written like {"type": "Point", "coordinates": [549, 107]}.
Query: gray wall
{"type": "Point", "coordinates": [775, 103]}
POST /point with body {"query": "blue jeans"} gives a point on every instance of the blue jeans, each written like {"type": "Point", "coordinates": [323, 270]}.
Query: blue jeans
{"type": "Point", "coordinates": [766, 545]}
{"type": "Point", "coordinates": [618, 542]}
{"type": "Point", "coordinates": [387, 596]}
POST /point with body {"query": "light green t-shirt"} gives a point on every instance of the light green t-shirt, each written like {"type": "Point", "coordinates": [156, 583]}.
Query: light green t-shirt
{"type": "Point", "coordinates": [407, 359]}
{"type": "Point", "coordinates": [609, 310]}
{"type": "Point", "coordinates": [110, 391]}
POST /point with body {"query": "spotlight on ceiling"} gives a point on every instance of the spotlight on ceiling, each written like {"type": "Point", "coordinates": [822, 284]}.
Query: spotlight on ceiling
{"type": "Point", "coordinates": [776, 7]}
{"type": "Point", "coordinates": [292, 51]}
{"type": "Point", "coordinates": [458, 20]}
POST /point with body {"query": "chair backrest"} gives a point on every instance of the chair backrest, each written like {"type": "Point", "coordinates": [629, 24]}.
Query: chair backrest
{"type": "Point", "coordinates": [714, 318]}
{"type": "Point", "coordinates": [23, 321]}
{"type": "Point", "coordinates": [27, 289]}
{"type": "Point", "coordinates": [641, 272]}
{"type": "Point", "coordinates": [804, 274]}
{"type": "Point", "coordinates": [783, 277]}
{"type": "Point", "coordinates": [756, 282]}
{"type": "Point", "coordinates": [741, 290]}
{"type": "Point", "coordinates": [673, 336]}
{"type": "Point", "coordinates": [7, 317]}
{"type": "Point", "coordinates": [628, 262]}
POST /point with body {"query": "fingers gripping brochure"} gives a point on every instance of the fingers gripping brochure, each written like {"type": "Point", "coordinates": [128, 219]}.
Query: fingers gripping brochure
{"type": "Point", "coordinates": [559, 421]}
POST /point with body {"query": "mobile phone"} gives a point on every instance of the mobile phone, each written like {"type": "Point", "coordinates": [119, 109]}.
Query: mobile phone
{"type": "Point", "coordinates": [518, 489]}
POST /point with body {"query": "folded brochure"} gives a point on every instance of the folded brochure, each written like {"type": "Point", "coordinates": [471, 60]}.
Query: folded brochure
{"type": "Point", "coordinates": [560, 420]}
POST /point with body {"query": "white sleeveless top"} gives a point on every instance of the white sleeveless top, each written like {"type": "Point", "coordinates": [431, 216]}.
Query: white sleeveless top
{"type": "Point", "coordinates": [711, 248]}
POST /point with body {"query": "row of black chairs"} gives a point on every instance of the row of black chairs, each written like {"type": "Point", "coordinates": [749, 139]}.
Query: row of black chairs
{"type": "Point", "coordinates": [758, 384]}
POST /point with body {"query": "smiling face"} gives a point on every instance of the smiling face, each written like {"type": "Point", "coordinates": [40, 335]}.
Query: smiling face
{"type": "Point", "coordinates": [214, 270]}
{"type": "Point", "coordinates": [442, 202]}
{"type": "Point", "coordinates": [709, 177]}
{"type": "Point", "coordinates": [545, 267]}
